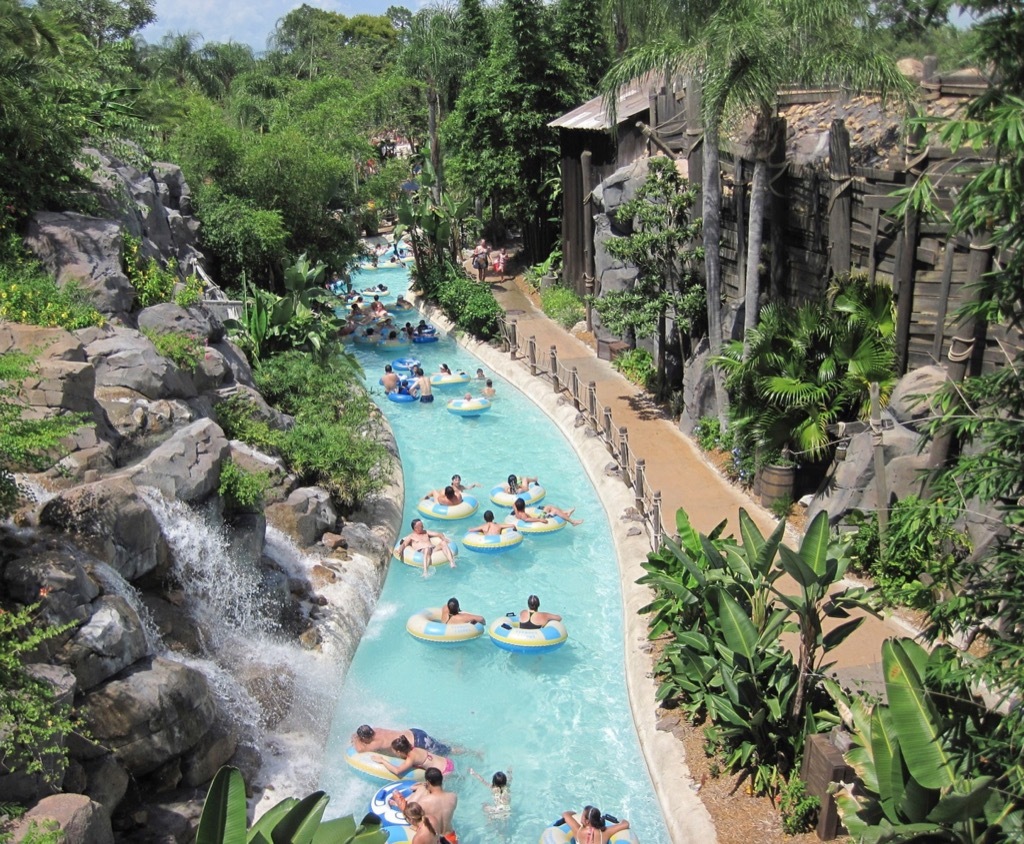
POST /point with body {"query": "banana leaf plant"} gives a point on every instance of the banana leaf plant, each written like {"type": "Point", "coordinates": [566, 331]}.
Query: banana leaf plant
{"type": "Point", "coordinates": [224, 819]}
{"type": "Point", "coordinates": [918, 779]}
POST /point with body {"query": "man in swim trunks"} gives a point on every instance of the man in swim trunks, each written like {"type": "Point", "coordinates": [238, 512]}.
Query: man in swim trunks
{"type": "Point", "coordinates": [459, 486]}
{"type": "Point", "coordinates": [368, 739]}
{"type": "Point", "coordinates": [491, 527]}
{"type": "Point", "coordinates": [449, 496]}
{"type": "Point", "coordinates": [390, 379]}
{"type": "Point", "coordinates": [420, 540]}
{"type": "Point", "coordinates": [422, 387]}
{"type": "Point", "coordinates": [438, 804]}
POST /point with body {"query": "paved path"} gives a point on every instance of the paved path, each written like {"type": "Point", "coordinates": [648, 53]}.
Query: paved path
{"type": "Point", "coordinates": [676, 467]}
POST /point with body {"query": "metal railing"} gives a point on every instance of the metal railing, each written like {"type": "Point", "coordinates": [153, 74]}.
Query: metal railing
{"type": "Point", "coordinates": [566, 382]}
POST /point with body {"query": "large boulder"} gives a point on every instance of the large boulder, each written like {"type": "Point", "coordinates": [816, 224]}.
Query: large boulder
{"type": "Point", "coordinates": [106, 781]}
{"type": "Point", "coordinates": [305, 515]}
{"type": "Point", "coordinates": [57, 574]}
{"type": "Point", "coordinates": [236, 361]}
{"type": "Point", "coordinates": [168, 317]}
{"type": "Point", "coordinates": [913, 399]}
{"type": "Point", "coordinates": [851, 485]}
{"type": "Point", "coordinates": [135, 417]}
{"type": "Point", "coordinates": [115, 522]}
{"type": "Point", "coordinates": [154, 712]}
{"type": "Point", "coordinates": [79, 819]}
{"type": "Point", "coordinates": [87, 250]}
{"type": "Point", "coordinates": [111, 640]}
{"type": "Point", "coordinates": [127, 359]}
{"type": "Point", "coordinates": [699, 398]}
{"type": "Point", "coordinates": [186, 467]}
{"type": "Point", "coordinates": [42, 343]}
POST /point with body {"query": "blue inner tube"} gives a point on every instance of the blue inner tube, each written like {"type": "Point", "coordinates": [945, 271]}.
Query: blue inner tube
{"type": "Point", "coordinates": [401, 398]}
{"type": "Point", "coordinates": [404, 364]}
{"type": "Point", "coordinates": [425, 338]}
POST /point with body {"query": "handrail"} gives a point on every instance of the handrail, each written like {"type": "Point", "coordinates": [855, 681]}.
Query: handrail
{"type": "Point", "coordinates": [566, 381]}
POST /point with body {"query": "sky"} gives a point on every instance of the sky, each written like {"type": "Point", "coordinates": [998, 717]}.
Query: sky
{"type": "Point", "coordinates": [245, 21]}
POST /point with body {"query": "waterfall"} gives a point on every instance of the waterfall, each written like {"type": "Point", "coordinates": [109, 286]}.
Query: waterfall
{"type": "Point", "coordinates": [280, 695]}
{"type": "Point", "coordinates": [114, 584]}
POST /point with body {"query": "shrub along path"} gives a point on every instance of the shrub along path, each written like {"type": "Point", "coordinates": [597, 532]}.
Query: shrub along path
{"type": "Point", "coordinates": [677, 467]}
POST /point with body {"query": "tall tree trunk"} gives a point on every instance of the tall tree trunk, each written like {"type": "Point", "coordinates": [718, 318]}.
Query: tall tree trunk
{"type": "Point", "coordinates": [435, 143]}
{"type": "Point", "coordinates": [755, 237]}
{"type": "Point", "coordinates": [712, 256]}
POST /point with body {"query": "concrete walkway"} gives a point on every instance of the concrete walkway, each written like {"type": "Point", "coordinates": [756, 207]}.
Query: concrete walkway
{"type": "Point", "coordinates": [678, 469]}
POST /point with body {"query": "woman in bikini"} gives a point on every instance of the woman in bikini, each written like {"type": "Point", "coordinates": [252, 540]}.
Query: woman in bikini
{"type": "Point", "coordinates": [451, 613]}
{"type": "Point", "coordinates": [414, 757]}
{"type": "Point", "coordinates": [532, 618]}
{"type": "Point", "coordinates": [591, 829]}
{"type": "Point", "coordinates": [515, 485]}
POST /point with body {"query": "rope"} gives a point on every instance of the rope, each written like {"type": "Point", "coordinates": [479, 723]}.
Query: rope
{"type": "Point", "coordinates": [960, 357]}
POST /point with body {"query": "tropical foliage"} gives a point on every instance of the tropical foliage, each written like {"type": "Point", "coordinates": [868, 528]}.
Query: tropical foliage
{"type": "Point", "coordinates": [225, 819]}
{"type": "Point", "coordinates": [809, 366]}
{"type": "Point", "coordinates": [720, 603]}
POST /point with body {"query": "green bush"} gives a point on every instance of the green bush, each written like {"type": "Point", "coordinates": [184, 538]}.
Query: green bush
{"type": "Point", "coordinates": [471, 306]}
{"type": "Point", "coordinates": [921, 540]}
{"type": "Point", "coordinates": [328, 445]}
{"type": "Point", "coordinates": [25, 444]}
{"type": "Point", "coordinates": [192, 293]}
{"type": "Point", "coordinates": [708, 433]}
{"type": "Point", "coordinates": [549, 266]}
{"type": "Point", "coordinates": [33, 724]}
{"type": "Point", "coordinates": [242, 491]}
{"type": "Point", "coordinates": [30, 295]}
{"type": "Point", "coordinates": [562, 305]}
{"type": "Point", "coordinates": [636, 365]}
{"type": "Point", "coordinates": [799, 810]}
{"type": "Point", "coordinates": [186, 350]}
{"type": "Point", "coordinates": [153, 284]}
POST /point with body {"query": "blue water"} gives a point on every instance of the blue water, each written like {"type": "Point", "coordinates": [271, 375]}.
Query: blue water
{"type": "Point", "coordinates": [560, 721]}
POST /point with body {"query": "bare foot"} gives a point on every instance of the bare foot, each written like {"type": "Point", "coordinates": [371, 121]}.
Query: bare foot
{"type": "Point", "coordinates": [575, 522]}
{"type": "Point", "coordinates": [453, 565]}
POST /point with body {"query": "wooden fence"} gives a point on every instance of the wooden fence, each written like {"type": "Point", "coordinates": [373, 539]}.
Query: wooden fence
{"type": "Point", "coordinates": [566, 382]}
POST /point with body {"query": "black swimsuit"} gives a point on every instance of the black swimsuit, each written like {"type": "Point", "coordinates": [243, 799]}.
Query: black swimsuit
{"type": "Point", "coordinates": [529, 625]}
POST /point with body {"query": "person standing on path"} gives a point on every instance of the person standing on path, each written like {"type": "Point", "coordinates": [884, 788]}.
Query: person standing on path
{"type": "Point", "coordinates": [481, 258]}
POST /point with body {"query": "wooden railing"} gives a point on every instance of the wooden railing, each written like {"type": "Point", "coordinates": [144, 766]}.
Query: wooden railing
{"type": "Point", "coordinates": [566, 381]}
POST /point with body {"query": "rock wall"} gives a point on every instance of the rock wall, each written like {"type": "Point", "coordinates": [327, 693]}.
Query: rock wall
{"type": "Point", "coordinates": [95, 548]}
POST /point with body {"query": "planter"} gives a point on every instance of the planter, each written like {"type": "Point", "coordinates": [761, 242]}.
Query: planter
{"type": "Point", "coordinates": [777, 484]}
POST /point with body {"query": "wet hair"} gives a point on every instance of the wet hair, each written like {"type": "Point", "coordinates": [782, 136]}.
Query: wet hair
{"type": "Point", "coordinates": [519, 506]}
{"type": "Point", "coordinates": [488, 382]}
{"type": "Point", "coordinates": [412, 524]}
{"type": "Point", "coordinates": [456, 479]}
{"type": "Point", "coordinates": [401, 746]}
{"type": "Point", "coordinates": [393, 335]}
{"type": "Point", "coordinates": [449, 491]}
{"type": "Point", "coordinates": [387, 367]}
{"type": "Point", "coordinates": [376, 298]}
{"type": "Point", "coordinates": [414, 813]}
{"type": "Point", "coordinates": [444, 368]}
{"type": "Point", "coordinates": [513, 482]}
{"type": "Point", "coordinates": [488, 515]}
{"type": "Point", "coordinates": [533, 602]}
{"type": "Point", "coordinates": [364, 732]}
{"type": "Point", "coordinates": [595, 818]}
{"type": "Point", "coordinates": [433, 776]}
{"type": "Point", "coordinates": [453, 606]}
{"type": "Point", "coordinates": [499, 780]}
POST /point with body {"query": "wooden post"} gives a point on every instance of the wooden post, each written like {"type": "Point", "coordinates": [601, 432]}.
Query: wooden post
{"type": "Point", "coordinates": [873, 246]}
{"type": "Point", "coordinates": [940, 312]}
{"type": "Point", "coordinates": [903, 286]}
{"type": "Point", "coordinates": [739, 199]}
{"type": "Point", "coordinates": [961, 349]}
{"type": "Point", "coordinates": [694, 136]}
{"type": "Point", "coordinates": [575, 381]}
{"type": "Point", "coordinates": [554, 368]}
{"type": "Point", "coordinates": [607, 427]}
{"type": "Point", "coordinates": [624, 453]}
{"type": "Point", "coordinates": [656, 521]}
{"type": "Point", "coordinates": [840, 199]}
{"type": "Point", "coordinates": [638, 484]}
{"type": "Point", "coordinates": [881, 488]}
{"type": "Point", "coordinates": [513, 340]}
{"type": "Point", "coordinates": [531, 353]}
{"type": "Point", "coordinates": [778, 205]}
{"type": "Point", "coordinates": [588, 238]}
{"type": "Point", "coordinates": [592, 404]}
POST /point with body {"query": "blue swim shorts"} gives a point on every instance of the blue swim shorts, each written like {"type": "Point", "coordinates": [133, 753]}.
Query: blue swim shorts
{"type": "Point", "coordinates": [431, 745]}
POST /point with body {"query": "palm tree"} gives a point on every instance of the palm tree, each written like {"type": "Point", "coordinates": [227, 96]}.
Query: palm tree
{"type": "Point", "coordinates": [742, 52]}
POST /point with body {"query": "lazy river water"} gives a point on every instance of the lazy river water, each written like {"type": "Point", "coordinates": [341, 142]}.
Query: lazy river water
{"type": "Point", "coordinates": [560, 722]}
